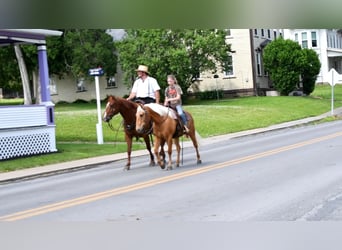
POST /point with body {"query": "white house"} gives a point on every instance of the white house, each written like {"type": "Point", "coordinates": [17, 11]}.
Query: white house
{"type": "Point", "coordinates": [247, 75]}
{"type": "Point", "coordinates": [68, 89]}
{"type": "Point", "coordinates": [326, 42]}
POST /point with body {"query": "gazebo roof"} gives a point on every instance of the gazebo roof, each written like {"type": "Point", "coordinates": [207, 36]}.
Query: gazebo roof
{"type": "Point", "coordinates": [31, 36]}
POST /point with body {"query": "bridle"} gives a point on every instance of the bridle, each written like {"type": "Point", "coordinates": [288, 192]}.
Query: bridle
{"type": "Point", "coordinates": [129, 127]}
{"type": "Point", "coordinates": [146, 131]}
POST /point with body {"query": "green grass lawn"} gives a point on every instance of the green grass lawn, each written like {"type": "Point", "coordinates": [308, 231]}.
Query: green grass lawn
{"type": "Point", "coordinates": [76, 123]}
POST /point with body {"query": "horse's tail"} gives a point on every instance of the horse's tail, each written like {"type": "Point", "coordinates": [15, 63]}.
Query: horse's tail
{"type": "Point", "coordinates": [197, 135]}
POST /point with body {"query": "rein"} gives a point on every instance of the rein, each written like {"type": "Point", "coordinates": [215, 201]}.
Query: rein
{"type": "Point", "coordinates": [130, 127]}
{"type": "Point", "coordinates": [110, 125]}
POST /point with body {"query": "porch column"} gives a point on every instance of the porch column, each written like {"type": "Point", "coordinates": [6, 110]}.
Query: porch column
{"type": "Point", "coordinates": [44, 83]}
{"type": "Point", "coordinates": [43, 73]}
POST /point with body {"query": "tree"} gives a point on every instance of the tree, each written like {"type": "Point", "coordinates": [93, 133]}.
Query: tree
{"type": "Point", "coordinates": [310, 70]}
{"type": "Point", "coordinates": [9, 71]}
{"type": "Point", "coordinates": [23, 74]}
{"type": "Point", "coordinates": [75, 52]}
{"type": "Point", "coordinates": [184, 53]}
{"type": "Point", "coordinates": [284, 60]}
{"type": "Point", "coordinates": [84, 49]}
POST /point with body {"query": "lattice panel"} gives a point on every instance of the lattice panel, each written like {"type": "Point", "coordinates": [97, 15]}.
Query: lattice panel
{"type": "Point", "coordinates": [24, 145]}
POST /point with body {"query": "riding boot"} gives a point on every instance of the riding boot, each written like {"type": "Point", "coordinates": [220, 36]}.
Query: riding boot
{"type": "Point", "coordinates": [186, 129]}
{"type": "Point", "coordinates": [184, 122]}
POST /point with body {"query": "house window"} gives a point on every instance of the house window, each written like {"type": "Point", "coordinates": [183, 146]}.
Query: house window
{"type": "Point", "coordinates": [228, 32]}
{"type": "Point", "coordinates": [275, 34]}
{"type": "Point", "coordinates": [258, 59]}
{"type": "Point", "coordinates": [313, 39]}
{"type": "Point", "coordinates": [52, 87]}
{"type": "Point", "coordinates": [304, 40]}
{"type": "Point", "coordinates": [111, 83]}
{"type": "Point", "coordinates": [228, 67]}
{"type": "Point", "coordinates": [296, 37]}
{"type": "Point", "coordinates": [256, 32]}
{"type": "Point", "coordinates": [269, 33]}
{"type": "Point", "coordinates": [80, 87]}
{"type": "Point", "coordinates": [262, 33]}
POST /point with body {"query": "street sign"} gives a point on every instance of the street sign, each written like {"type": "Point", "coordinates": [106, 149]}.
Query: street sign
{"type": "Point", "coordinates": [334, 77]}
{"type": "Point", "coordinates": [96, 72]}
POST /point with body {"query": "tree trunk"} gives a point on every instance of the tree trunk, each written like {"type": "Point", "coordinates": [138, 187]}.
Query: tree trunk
{"type": "Point", "coordinates": [23, 74]}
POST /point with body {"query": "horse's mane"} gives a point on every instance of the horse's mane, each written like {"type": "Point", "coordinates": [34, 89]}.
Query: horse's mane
{"type": "Point", "coordinates": [123, 100]}
{"type": "Point", "coordinates": [161, 110]}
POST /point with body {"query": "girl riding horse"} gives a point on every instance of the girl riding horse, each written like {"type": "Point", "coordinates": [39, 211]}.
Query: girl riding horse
{"type": "Point", "coordinates": [165, 130]}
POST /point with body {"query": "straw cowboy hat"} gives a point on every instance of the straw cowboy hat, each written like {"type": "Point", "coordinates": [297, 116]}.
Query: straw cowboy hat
{"type": "Point", "coordinates": [143, 68]}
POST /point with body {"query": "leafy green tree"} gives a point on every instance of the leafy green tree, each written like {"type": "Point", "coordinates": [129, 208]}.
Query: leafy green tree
{"type": "Point", "coordinates": [75, 52]}
{"type": "Point", "coordinates": [9, 71]}
{"type": "Point", "coordinates": [310, 70]}
{"type": "Point", "coordinates": [284, 60]}
{"type": "Point", "coordinates": [184, 53]}
{"type": "Point", "coordinates": [83, 49]}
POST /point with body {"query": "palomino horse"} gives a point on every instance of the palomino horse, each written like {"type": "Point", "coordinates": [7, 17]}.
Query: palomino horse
{"type": "Point", "coordinates": [128, 109]}
{"type": "Point", "coordinates": [165, 129]}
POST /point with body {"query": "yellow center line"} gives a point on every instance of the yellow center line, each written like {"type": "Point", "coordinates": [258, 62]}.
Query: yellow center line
{"type": "Point", "coordinates": [121, 190]}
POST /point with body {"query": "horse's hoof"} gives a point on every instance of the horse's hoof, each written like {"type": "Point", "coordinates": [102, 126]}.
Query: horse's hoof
{"type": "Point", "coordinates": [162, 166]}
{"type": "Point", "coordinates": [199, 161]}
{"type": "Point", "coordinates": [177, 165]}
{"type": "Point", "coordinates": [126, 168]}
{"type": "Point", "coordinates": [152, 164]}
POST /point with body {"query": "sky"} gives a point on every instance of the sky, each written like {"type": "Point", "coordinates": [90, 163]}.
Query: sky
{"type": "Point", "coordinates": [117, 33]}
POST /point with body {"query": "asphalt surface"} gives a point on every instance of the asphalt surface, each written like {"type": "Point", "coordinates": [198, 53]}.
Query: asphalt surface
{"type": "Point", "coordinates": [93, 162]}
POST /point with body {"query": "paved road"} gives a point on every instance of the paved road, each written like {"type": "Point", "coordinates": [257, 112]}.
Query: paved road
{"type": "Point", "coordinates": [286, 175]}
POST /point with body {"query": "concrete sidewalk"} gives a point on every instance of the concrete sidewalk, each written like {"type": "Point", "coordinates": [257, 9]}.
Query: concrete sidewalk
{"type": "Point", "coordinates": [92, 162]}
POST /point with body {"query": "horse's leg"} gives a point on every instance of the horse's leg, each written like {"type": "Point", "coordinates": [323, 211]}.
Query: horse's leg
{"type": "Point", "coordinates": [149, 149]}
{"type": "Point", "coordinates": [129, 151]}
{"type": "Point", "coordinates": [169, 152]}
{"type": "Point", "coordinates": [178, 148]}
{"type": "Point", "coordinates": [162, 152]}
{"type": "Point", "coordinates": [156, 152]}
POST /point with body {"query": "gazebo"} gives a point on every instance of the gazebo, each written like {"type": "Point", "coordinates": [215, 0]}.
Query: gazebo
{"type": "Point", "coordinates": [29, 129]}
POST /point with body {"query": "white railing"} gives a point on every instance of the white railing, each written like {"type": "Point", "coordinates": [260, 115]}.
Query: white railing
{"type": "Point", "coordinates": [26, 130]}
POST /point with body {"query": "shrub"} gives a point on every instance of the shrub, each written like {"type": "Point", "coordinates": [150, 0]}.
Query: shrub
{"type": "Point", "coordinates": [283, 59]}
{"type": "Point", "coordinates": [209, 94]}
{"type": "Point", "coordinates": [310, 70]}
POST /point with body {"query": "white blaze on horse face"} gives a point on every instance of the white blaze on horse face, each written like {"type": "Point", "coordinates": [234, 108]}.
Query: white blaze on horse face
{"type": "Point", "coordinates": [139, 117]}
{"type": "Point", "coordinates": [105, 112]}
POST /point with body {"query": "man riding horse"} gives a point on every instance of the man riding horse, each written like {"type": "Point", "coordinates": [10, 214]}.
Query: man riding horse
{"type": "Point", "coordinates": [145, 88]}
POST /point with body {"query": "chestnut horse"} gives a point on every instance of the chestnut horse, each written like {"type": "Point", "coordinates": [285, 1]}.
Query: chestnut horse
{"type": "Point", "coordinates": [165, 129]}
{"type": "Point", "coordinates": [128, 109]}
